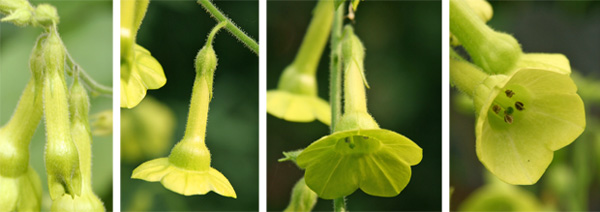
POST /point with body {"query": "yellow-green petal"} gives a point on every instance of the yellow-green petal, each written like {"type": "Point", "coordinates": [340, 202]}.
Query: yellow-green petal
{"type": "Point", "coordinates": [519, 151]}
{"type": "Point", "coordinates": [183, 181]}
{"type": "Point", "coordinates": [552, 62]}
{"type": "Point", "coordinates": [377, 161]}
{"type": "Point", "coordinates": [297, 107]}
{"type": "Point", "coordinates": [145, 72]}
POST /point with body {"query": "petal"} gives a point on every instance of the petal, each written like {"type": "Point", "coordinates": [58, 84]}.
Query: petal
{"type": "Point", "coordinates": [380, 166]}
{"type": "Point", "coordinates": [198, 183]}
{"type": "Point", "coordinates": [153, 170]}
{"type": "Point", "coordinates": [384, 175]}
{"type": "Point", "coordinates": [133, 89]}
{"type": "Point", "coordinates": [554, 117]}
{"type": "Point", "coordinates": [334, 176]}
{"type": "Point", "coordinates": [551, 62]}
{"type": "Point", "coordinates": [220, 184]}
{"type": "Point", "coordinates": [393, 143]}
{"type": "Point", "coordinates": [149, 69]}
{"type": "Point", "coordinates": [297, 107]}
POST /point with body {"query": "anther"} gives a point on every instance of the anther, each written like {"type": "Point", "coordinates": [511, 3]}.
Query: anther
{"type": "Point", "coordinates": [519, 106]}
{"type": "Point", "coordinates": [365, 137]}
{"type": "Point", "coordinates": [496, 109]}
{"type": "Point", "coordinates": [508, 119]}
{"type": "Point", "coordinates": [509, 93]}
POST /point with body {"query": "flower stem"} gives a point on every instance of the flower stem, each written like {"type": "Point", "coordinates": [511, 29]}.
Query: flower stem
{"type": "Point", "coordinates": [335, 69]}
{"type": "Point", "coordinates": [465, 76]}
{"type": "Point", "coordinates": [231, 27]}
{"type": "Point", "coordinates": [315, 39]}
{"type": "Point", "coordinates": [339, 204]}
{"type": "Point", "coordinates": [89, 81]}
{"type": "Point", "coordinates": [335, 86]}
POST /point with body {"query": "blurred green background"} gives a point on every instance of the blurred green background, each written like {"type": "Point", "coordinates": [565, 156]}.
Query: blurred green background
{"type": "Point", "coordinates": [174, 31]}
{"type": "Point", "coordinates": [571, 183]}
{"type": "Point", "coordinates": [86, 29]}
{"type": "Point", "coordinates": [403, 68]}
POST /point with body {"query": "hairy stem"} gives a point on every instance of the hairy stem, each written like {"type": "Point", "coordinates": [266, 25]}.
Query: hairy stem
{"type": "Point", "coordinates": [339, 204]}
{"type": "Point", "coordinates": [231, 27]}
{"type": "Point", "coordinates": [87, 79]}
{"type": "Point", "coordinates": [335, 86]}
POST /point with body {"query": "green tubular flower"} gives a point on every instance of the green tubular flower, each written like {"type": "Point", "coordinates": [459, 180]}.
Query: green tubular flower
{"type": "Point", "coordinates": [21, 186]}
{"type": "Point", "coordinates": [295, 98]}
{"type": "Point", "coordinates": [139, 70]}
{"type": "Point", "coordinates": [495, 52]}
{"type": "Point", "coordinates": [19, 12]}
{"type": "Point", "coordinates": [482, 8]}
{"type": "Point", "coordinates": [303, 199]}
{"type": "Point", "coordinates": [21, 193]}
{"type": "Point", "coordinates": [499, 196]}
{"type": "Point", "coordinates": [61, 156]}
{"type": "Point", "coordinates": [522, 118]}
{"type": "Point", "coordinates": [145, 136]}
{"type": "Point", "coordinates": [187, 170]}
{"type": "Point", "coordinates": [79, 109]}
{"type": "Point", "coordinates": [358, 154]}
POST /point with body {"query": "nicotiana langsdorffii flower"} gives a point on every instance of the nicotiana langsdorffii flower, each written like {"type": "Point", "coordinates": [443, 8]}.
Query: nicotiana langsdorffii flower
{"type": "Point", "coordinates": [61, 155]}
{"type": "Point", "coordinates": [80, 130]}
{"type": "Point", "coordinates": [187, 170]}
{"type": "Point", "coordinates": [21, 188]}
{"type": "Point", "coordinates": [526, 109]}
{"type": "Point", "coordinates": [358, 154]}
{"type": "Point", "coordinates": [522, 118]}
{"type": "Point", "coordinates": [499, 196]}
{"type": "Point", "coordinates": [139, 70]}
{"type": "Point", "coordinates": [302, 199]}
{"type": "Point", "coordinates": [296, 98]}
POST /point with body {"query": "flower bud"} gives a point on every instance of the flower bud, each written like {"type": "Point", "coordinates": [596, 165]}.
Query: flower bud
{"type": "Point", "coordinates": [303, 199]}
{"type": "Point", "coordinates": [22, 193]}
{"type": "Point", "coordinates": [46, 15]}
{"type": "Point", "coordinates": [206, 64]}
{"type": "Point", "coordinates": [20, 17]}
{"type": "Point", "coordinates": [61, 155]}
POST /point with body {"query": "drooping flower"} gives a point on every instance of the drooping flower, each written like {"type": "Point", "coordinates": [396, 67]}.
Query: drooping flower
{"type": "Point", "coordinates": [140, 71]}
{"type": "Point", "coordinates": [21, 193]}
{"type": "Point", "coordinates": [80, 130]}
{"type": "Point", "coordinates": [296, 98]}
{"type": "Point", "coordinates": [187, 170]}
{"type": "Point", "coordinates": [499, 196]}
{"type": "Point", "coordinates": [358, 154]}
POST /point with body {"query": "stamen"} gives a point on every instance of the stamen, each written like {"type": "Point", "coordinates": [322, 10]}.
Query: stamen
{"type": "Point", "coordinates": [365, 137]}
{"type": "Point", "coordinates": [519, 106]}
{"type": "Point", "coordinates": [509, 93]}
{"type": "Point", "coordinates": [350, 142]}
{"type": "Point", "coordinates": [508, 119]}
{"type": "Point", "coordinates": [496, 109]}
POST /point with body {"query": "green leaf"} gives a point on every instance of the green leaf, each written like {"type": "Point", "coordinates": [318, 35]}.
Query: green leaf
{"type": "Point", "coordinates": [377, 161]}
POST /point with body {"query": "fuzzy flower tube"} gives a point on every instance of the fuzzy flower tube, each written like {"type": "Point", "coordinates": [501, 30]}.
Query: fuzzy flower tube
{"type": "Point", "coordinates": [295, 98]}
{"type": "Point", "coordinates": [61, 155]}
{"type": "Point", "coordinates": [187, 170]}
{"type": "Point", "coordinates": [21, 185]}
{"type": "Point", "coordinates": [358, 154]}
{"type": "Point", "coordinates": [79, 108]}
